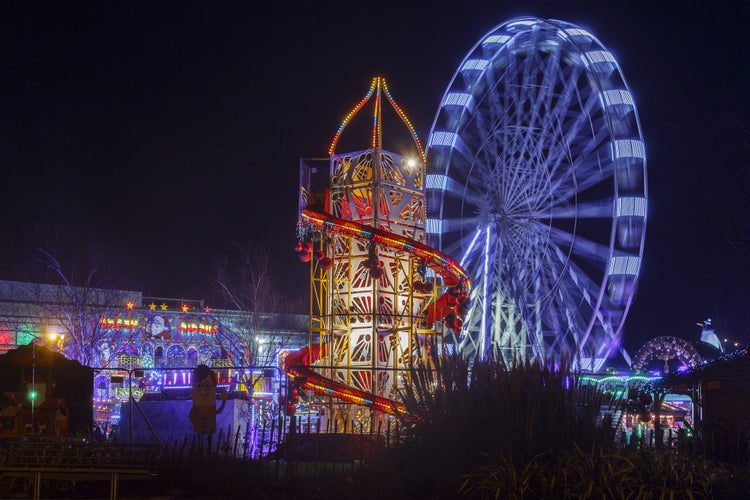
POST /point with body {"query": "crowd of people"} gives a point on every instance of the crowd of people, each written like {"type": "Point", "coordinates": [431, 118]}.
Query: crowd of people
{"type": "Point", "coordinates": [105, 434]}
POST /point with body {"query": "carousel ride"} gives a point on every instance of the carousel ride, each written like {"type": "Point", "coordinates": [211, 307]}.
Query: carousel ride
{"type": "Point", "coordinates": [381, 298]}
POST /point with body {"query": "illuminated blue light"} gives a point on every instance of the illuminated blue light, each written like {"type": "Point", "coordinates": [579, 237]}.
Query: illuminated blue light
{"type": "Point", "coordinates": [448, 139]}
{"type": "Point", "coordinates": [486, 299]}
{"type": "Point", "coordinates": [627, 148]}
{"type": "Point", "coordinates": [627, 265]}
{"type": "Point", "coordinates": [436, 181]}
{"type": "Point", "coordinates": [471, 247]}
{"type": "Point", "coordinates": [598, 56]}
{"type": "Point", "coordinates": [677, 397]}
{"type": "Point", "coordinates": [574, 32]}
{"type": "Point", "coordinates": [443, 139]}
{"type": "Point", "coordinates": [523, 23]}
{"type": "Point", "coordinates": [631, 206]}
{"type": "Point", "coordinates": [617, 96]}
{"type": "Point", "coordinates": [439, 182]}
{"type": "Point", "coordinates": [499, 39]}
{"type": "Point", "coordinates": [434, 226]}
{"type": "Point", "coordinates": [459, 99]}
{"type": "Point", "coordinates": [475, 65]}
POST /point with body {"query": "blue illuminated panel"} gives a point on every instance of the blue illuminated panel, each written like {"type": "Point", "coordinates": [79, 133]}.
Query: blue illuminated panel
{"type": "Point", "coordinates": [624, 265]}
{"type": "Point", "coordinates": [631, 206]}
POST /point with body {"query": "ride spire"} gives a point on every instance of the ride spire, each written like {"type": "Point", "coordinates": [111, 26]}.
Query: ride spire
{"type": "Point", "coordinates": [378, 88]}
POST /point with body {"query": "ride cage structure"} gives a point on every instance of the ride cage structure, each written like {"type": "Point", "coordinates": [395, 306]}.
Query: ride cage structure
{"type": "Point", "coordinates": [380, 297]}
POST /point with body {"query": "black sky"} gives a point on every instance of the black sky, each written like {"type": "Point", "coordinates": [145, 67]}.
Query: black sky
{"type": "Point", "coordinates": [165, 129]}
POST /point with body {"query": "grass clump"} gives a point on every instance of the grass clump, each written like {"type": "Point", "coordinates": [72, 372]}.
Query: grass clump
{"type": "Point", "coordinates": [529, 430]}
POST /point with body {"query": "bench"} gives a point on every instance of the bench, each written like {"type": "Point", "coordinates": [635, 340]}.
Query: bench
{"type": "Point", "coordinates": [73, 460]}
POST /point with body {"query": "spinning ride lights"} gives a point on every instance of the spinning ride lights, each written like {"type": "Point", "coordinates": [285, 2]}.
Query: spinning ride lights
{"type": "Point", "coordinates": [537, 187]}
{"type": "Point", "coordinates": [377, 289]}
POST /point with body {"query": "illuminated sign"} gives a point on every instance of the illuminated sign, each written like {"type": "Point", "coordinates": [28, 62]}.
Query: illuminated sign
{"type": "Point", "coordinates": [119, 323]}
{"type": "Point", "coordinates": [198, 328]}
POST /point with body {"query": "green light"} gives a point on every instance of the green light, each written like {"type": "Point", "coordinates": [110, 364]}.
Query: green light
{"type": "Point", "coordinates": [33, 395]}
{"type": "Point", "coordinates": [26, 333]}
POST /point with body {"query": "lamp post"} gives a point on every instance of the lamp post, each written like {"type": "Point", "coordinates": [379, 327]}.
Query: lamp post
{"type": "Point", "coordinates": [33, 393]}
{"type": "Point", "coordinates": [56, 340]}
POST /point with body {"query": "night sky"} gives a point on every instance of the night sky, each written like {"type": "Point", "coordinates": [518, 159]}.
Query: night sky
{"type": "Point", "coordinates": [166, 129]}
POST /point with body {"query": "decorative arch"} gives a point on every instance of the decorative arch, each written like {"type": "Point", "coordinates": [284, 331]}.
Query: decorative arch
{"type": "Point", "coordinates": [667, 349]}
{"type": "Point", "coordinates": [159, 357]}
{"type": "Point", "coordinates": [192, 356]}
{"type": "Point", "coordinates": [176, 355]}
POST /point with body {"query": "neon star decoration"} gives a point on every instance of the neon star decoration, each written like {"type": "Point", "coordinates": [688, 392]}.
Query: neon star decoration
{"type": "Point", "coordinates": [163, 307]}
{"type": "Point", "coordinates": [152, 307]}
{"type": "Point", "coordinates": [130, 305]}
{"type": "Point", "coordinates": [185, 308]}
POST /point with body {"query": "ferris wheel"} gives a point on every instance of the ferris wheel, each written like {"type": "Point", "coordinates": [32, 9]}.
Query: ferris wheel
{"type": "Point", "coordinates": [537, 186]}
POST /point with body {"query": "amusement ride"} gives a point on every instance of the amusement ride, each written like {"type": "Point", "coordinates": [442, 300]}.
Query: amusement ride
{"type": "Point", "coordinates": [536, 184]}
{"type": "Point", "coordinates": [380, 296]}
{"type": "Point", "coordinates": [518, 232]}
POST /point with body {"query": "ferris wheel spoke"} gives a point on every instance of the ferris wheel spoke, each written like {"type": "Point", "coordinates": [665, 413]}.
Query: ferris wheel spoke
{"type": "Point", "coordinates": [580, 246]}
{"type": "Point", "coordinates": [587, 175]}
{"type": "Point", "coordinates": [466, 256]}
{"type": "Point", "coordinates": [568, 147]}
{"type": "Point", "coordinates": [599, 209]}
{"type": "Point", "coordinates": [458, 225]}
{"type": "Point", "coordinates": [583, 285]}
{"type": "Point", "coordinates": [567, 124]}
{"type": "Point", "coordinates": [450, 187]}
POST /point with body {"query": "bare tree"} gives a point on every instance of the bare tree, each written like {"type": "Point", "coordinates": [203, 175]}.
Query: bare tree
{"type": "Point", "coordinates": [81, 289]}
{"type": "Point", "coordinates": [245, 280]}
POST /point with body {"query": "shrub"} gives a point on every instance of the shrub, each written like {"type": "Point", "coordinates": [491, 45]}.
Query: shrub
{"type": "Point", "coordinates": [467, 415]}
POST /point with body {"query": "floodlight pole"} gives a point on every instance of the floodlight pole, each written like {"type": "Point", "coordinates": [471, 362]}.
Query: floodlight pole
{"type": "Point", "coordinates": [33, 384]}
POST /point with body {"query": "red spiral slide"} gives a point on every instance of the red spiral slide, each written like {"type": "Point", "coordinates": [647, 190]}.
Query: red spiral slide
{"type": "Point", "coordinates": [450, 306]}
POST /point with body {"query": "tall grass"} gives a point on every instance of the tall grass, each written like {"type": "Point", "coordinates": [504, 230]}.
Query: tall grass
{"type": "Point", "coordinates": [599, 473]}
{"type": "Point", "coordinates": [470, 415]}
{"type": "Point", "coordinates": [521, 410]}
{"type": "Point", "coordinates": [529, 430]}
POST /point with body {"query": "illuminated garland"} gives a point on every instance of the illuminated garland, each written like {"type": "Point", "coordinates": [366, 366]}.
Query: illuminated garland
{"type": "Point", "coordinates": [378, 84]}
{"type": "Point", "coordinates": [297, 364]}
{"type": "Point", "coordinates": [377, 127]}
{"type": "Point", "coordinates": [350, 115]}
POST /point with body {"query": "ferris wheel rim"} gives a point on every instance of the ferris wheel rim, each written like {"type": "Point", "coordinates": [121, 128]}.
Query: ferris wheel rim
{"type": "Point", "coordinates": [502, 36]}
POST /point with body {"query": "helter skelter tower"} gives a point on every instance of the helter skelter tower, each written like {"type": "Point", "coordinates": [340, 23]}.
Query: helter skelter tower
{"type": "Point", "coordinates": [375, 285]}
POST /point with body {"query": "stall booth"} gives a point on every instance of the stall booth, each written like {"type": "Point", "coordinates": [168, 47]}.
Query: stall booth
{"type": "Point", "coordinates": [42, 393]}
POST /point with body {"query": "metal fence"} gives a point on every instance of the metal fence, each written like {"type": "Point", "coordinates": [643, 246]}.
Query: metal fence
{"type": "Point", "coordinates": [152, 405]}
